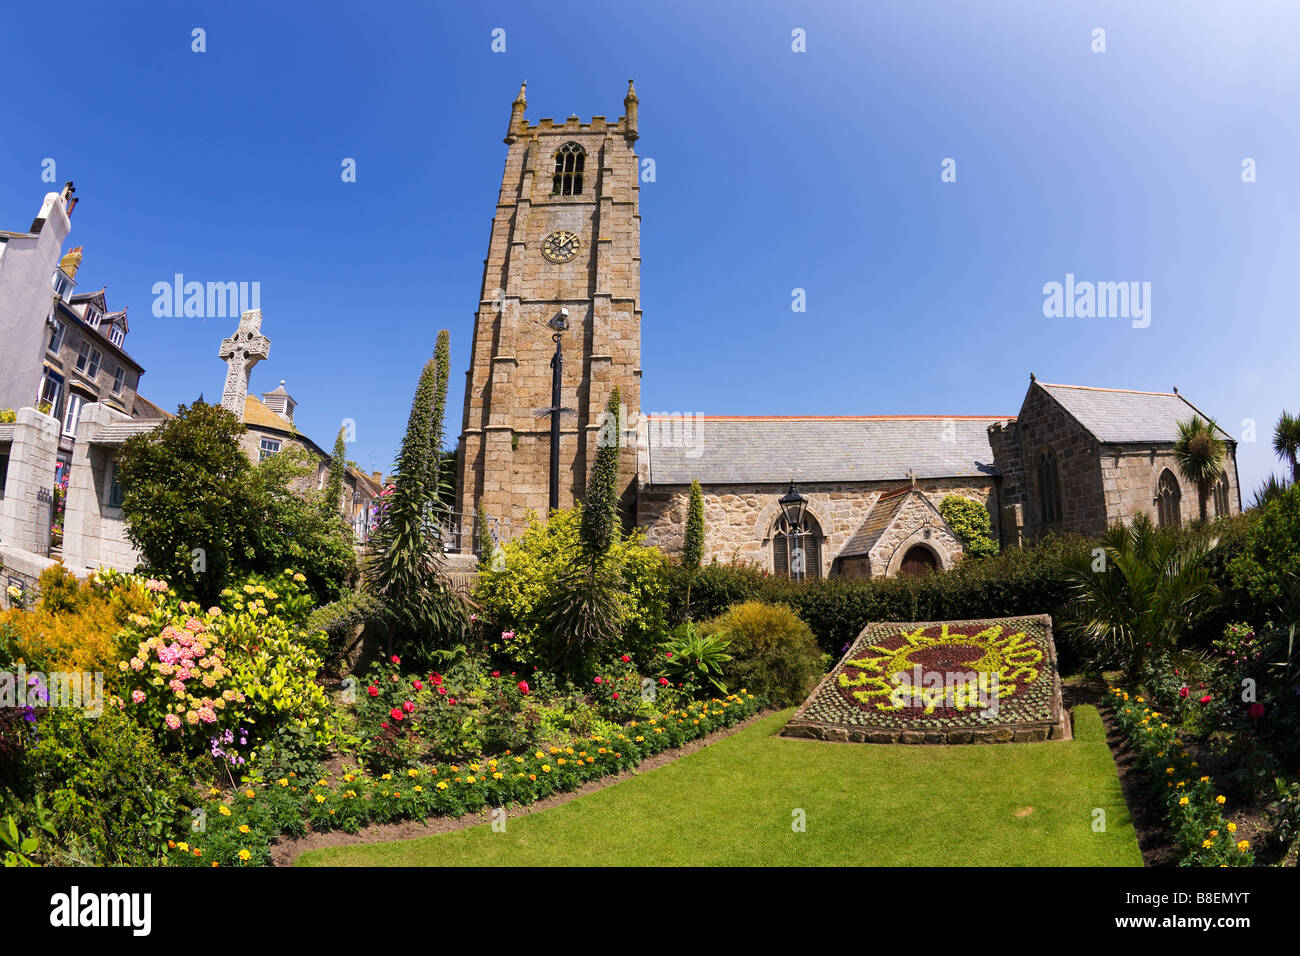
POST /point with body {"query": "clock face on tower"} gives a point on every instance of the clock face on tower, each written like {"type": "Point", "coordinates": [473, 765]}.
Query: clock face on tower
{"type": "Point", "coordinates": [561, 246]}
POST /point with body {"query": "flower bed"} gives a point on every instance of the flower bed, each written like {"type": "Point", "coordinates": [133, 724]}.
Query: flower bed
{"type": "Point", "coordinates": [941, 682]}
{"type": "Point", "coordinates": [238, 830]}
{"type": "Point", "coordinates": [1193, 811]}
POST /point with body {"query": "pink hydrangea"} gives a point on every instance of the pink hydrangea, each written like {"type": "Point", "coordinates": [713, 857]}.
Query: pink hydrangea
{"type": "Point", "coordinates": [207, 715]}
{"type": "Point", "coordinates": [137, 696]}
{"type": "Point", "coordinates": [172, 721]}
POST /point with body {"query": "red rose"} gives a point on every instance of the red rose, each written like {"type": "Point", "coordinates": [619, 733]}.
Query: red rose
{"type": "Point", "coordinates": [523, 686]}
{"type": "Point", "coordinates": [625, 659]}
{"type": "Point", "coordinates": [384, 725]}
{"type": "Point", "coordinates": [452, 702]}
{"type": "Point", "coordinates": [408, 707]}
{"type": "Point", "coordinates": [418, 684]}
{"type": "Point", "coordinates": [496, 673]}
{"type": "Point", "coordinates": [373, 691]}
{"type": "Point", "coordinates": [670, 654]}
{"type": "Point", "coordinates": [443, 691]}
{"type": "Point", "coordinates": [1207, 698]}
{"type": "Point", "coordinates": [1183, 692]}
{"type": "Point", "coordinates": [616, 695]}
{"type": "Point", "coordinates": [436, 680]}
{"type": "Point", "coordinates": [599, 681]}
{"type": "Point", "coordinates": [395, 659]}
{"type": "Point", "coordinates": [663, 682]}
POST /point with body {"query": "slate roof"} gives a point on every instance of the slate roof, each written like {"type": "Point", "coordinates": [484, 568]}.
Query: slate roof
{"type": "Point", "coordinates": [757, 450]}
{"type": "Point", "coordinates": [880, 517]}
{"type": "Point", "coordinates": [118, 432]}
{"type": "Point", "coordinates": [1118, 415]}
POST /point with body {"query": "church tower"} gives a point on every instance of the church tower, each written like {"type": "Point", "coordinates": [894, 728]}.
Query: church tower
{"type": "Point", "coordinates": [566, 235]}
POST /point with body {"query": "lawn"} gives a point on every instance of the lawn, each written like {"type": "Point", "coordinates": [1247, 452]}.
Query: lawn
{"type": "Point", "coordinates": [733, 804]}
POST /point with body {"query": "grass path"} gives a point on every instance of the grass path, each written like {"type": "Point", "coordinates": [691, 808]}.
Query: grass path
{"type": "Point", "coordinates": [733, 804]}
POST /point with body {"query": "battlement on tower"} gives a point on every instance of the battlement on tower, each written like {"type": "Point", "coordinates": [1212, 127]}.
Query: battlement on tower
{"type": "Point", "coordinates": [598, 124]}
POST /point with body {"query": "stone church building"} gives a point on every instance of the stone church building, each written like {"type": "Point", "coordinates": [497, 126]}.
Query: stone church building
{"type": "Point", "coordinates": [563, 273]}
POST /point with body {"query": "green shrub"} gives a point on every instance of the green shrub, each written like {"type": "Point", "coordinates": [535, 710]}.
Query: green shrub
{"type": "Point", "coordinates": [773, 653]}
{"type": "Point", "coordinates": [519, 592]}
{"type": "Point", "coordinates": [971, 523]}
{"type": "Point", "coordinates": [60, 590]}
{"type": "Point", "coordinates": [1271, 558]}
{"type": "Point", "coordinates": [112, 794]}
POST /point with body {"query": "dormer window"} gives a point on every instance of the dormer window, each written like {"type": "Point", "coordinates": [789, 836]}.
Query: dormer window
{"type": "Point", "coordinates": [116, 335]}
{"type": "Point", "coordinates": [93, 316]}
{"type": "Point", "coordinates": [62, 284]}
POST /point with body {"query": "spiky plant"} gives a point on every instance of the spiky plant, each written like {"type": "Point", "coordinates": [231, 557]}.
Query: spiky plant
{"type": "Point", "coordinates": [1199, 454]}
{"type": "Point", "coordinates": [1269, 490]}
{"type": "Point", "coordinates": [1286, 441]}
{"type": "Point", "coordinates": [406, 564]}
{"type": "Point", "coordinates": [1132, 603]}
{"type": "Point", "coordinates": [331, 502]}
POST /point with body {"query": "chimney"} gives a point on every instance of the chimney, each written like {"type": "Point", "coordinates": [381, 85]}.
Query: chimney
{"type": "Point", "coordinates": [378, 476]}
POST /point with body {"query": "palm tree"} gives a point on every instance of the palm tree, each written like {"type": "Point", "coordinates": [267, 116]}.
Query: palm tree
{"type": "Point", "coordinates": [1270, 490]}
{"type": "Point", "coordinates": [1199, 454]}
{"type": "Point", "coordinates": [1132, 603]}
{"type": "Point", "coordinates": [1286, 441]}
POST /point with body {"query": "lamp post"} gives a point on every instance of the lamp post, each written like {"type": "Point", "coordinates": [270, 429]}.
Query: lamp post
{"type": "Point", "coordinates": [559, 325]}
{"type": "Point", "coordinates": [793, 505]}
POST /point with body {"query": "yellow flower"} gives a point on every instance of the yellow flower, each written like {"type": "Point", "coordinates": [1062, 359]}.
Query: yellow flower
{"type": "Point", "coordinates": [1169, 770]}
{"type": "Point", "coordinates": [546, 768]}
{"type": "Point", "coordinates": [412, 773]}
{"type": "Point", "coordinates": [1232, 828]}
{"type": "Point", "coordinates": [243, 828]}
{"type": "Point", "coordinates": [245, 855]}
{"type": "Point", "coordinates": [1206, 844]}
{"type": "Point", "coordinates": [283, 781]}
{"type": "Point", "coordinates": [1220, 799]}
{"type": "Point", "coordinates": [1182, 801]}
{"type": "Point", "coordinates": [249, 794]}
{"type": "Point", "coordinates": [498, 775]}
{"type": "Point", "coordinates": [539, 755]}
{"type": "Point", "coordinates": [442, 784]}
{"type": "Point", "coordinates": [319, 798]}
{"type": "Point", "coordinates": [224, 810]}
{"type": "Point", "coordinates": [419, 789]}
{"type": "Point", "coordinates": [1243, 845]}
{"type": "Point", "coordinates": [388, 776]}
{"type": "Point", "coordinates": [183, 847]}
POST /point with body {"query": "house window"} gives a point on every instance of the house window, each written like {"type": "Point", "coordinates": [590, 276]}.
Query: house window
{"type": "Point", "coordinates": [56, 336]}
{"type": "Point", "coordinates": [51, 393]}
{"type": "Point", "coordinates": [570, 161]}
{"type": "Point", "coordinates": [93, 315]}
{"type": "Point", "coordinates": [116, 336]}
{"type": "Point", "coordinates": [1049, 489]}
{"type": "Point", "coordinates": [1221, 507]}
{"type": "Point", "coordinates": [62, 284]}
{"type": "Point", "coordinates": [798, 557]}
{"type": "Point", "coordinates": [95, 358]}
{"type": "Point", "coordinates": [267, 448]}
{"type": "Point", "coordinates": [88, 359]}
{"type": "Point", "coordinates": [1168, 501]}
{"type": "Point", "coordinates": [119, 379]}
{"type": "Point", "coordinates": [75, 402]}
{"type": "Point", "coordinates": [114, 486]}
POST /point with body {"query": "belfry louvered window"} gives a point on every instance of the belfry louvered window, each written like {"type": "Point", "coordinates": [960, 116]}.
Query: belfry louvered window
{"type": "Point", "coordinates": [1168, 501]}
{"type": "Point", "coordinates": [798, 557]}
{"type": "Point", "coordinates": [570, 163]}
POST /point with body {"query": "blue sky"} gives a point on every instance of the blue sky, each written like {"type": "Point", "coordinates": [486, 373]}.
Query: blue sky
{"type": "Point", "coordinates": [775, 170]}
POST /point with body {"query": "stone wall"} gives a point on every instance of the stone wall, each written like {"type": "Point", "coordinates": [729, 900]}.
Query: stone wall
{"type": "Point", "coordinates": [1130, 474]}
{"type": "Point", "coordinates": [1043, 423]}
{"type": "Point", "coordinates": [909, 529]}
{"type": "Point", "coordinates": [26, 509]}
{"type": "Point", "coordinates": [738, 518]}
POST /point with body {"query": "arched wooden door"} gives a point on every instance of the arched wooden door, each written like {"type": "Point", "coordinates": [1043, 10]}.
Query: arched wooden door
{"type": "Point", "coordinates": [919, 560]}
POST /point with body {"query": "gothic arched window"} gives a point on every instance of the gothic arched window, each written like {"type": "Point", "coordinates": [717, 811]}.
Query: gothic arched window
{"type": "Point", "coordinates": [1221, 507]}
{"type": "Point", "coordinates": [570, 162]}
{"type": "Point", "coordinates": [1049, 489]}
{"type": "Point", "coordinates": [1168, 501]}
{"type": "Point", "coordinates": [798, 557]}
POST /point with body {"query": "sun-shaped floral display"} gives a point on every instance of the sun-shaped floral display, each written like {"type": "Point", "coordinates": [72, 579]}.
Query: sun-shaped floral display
{"type": "Point", "coordinates": [941, 676]}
